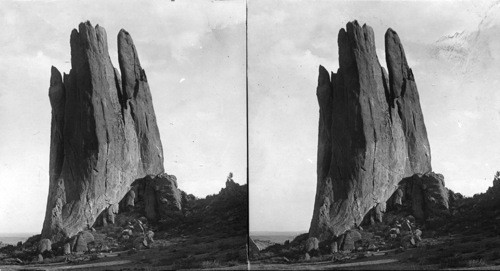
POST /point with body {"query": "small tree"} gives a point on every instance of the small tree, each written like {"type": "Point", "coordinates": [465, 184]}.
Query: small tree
{"type": "Point", "coordinates": [496, 179]}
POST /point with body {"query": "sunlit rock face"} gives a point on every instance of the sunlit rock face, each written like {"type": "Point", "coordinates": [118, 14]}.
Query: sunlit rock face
{"type": "Point", "coordinates": [104, 133]}
{"type": "Point", "coordinates": [371, 131]}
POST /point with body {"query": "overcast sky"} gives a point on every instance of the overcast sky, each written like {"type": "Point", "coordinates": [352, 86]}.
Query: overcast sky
{"type": "Point", "coordinates": [457, 78]}
{"type": "Point", "coordinates": [193, 53]}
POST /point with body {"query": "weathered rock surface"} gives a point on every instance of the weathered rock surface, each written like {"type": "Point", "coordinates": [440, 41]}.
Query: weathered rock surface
{"type": "Point", "coordinates": [349, 239]}
{"type": "Point", "coordinates": [376, 214]}
{"type": "Point", "coordinates": [371, 131]}
{"type": "Point", "coordinates": [104, 134]}
{"type": "Point", "coordinates": [130, 198]}
{"type": "Point", "coordinates": [82, 241]}
{"type": "Point", "coordinates": [110, 213]}
{"type": "Point", "coordinates": [140, 243]}
{"type": "Point", "coordinates": [160, 194]}
{"type": "Point", "coordinates": [44, 245]}
{"type": "Point", "coordinates": [424, 194]}
{"type": "Point", "coordinates": [334, 247]}
{"type": "Point", "coordinates": [67, 249]}
{"type": "Point", "coordinates": [312, 243]}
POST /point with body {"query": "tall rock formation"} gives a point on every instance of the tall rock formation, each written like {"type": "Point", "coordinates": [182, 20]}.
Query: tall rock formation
{"type": "Point", "coordinates": [371, 131]}
{"type": "Point", "coordinates": [104, 133]}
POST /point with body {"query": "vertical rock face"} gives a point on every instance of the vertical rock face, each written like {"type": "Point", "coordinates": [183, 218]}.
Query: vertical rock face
{"type": "Point", "coordinates": [404, 93]}
{"type": "Point", "coordinates": [104, 133]}
{"type": "Point", "coordinates": [136, 98]}
{"type": "Point", "coordinates": [371, 131]}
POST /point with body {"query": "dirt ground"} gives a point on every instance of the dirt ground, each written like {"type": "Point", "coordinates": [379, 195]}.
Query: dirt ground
{"type": "Point", "coordinates": [455, 252]}
{"type": "Point", "coordinates": [182, 253]}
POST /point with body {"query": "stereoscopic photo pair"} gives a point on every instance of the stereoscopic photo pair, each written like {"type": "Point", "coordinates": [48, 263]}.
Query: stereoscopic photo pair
{"type": "Point", "coordinates": [249, 135]}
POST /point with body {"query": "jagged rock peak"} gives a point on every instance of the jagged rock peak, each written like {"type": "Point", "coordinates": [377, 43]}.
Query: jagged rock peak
{"type": "Point", "coordinates": [101, 139]}
{"type": "Point", "coordinates": [56, 90]}
{"type": "Point", "coordinates": [371, 131]}
{"type": "Point", "coordinates": [324, 76]}
{"type": "Point", "coordinates": [55, 76]}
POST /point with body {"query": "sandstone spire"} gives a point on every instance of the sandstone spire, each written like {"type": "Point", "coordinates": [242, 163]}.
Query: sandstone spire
{"type": "Point", "coordinates": [104, 132]}
{"type": "Point", "coordinates": [371, 131]}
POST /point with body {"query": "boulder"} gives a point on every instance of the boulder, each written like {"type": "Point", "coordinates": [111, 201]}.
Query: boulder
{"type": "Point", "coordinates": [140, 243]}
{"type": "Point", "coordinates": [375, 215]}
{"type": "Point", "coordinates": [150, 235]}
{"type": "Point", "coordinates": [139, 226]}
{"type": "Point", "coordinates": [334, 247]}
{"type": "Point", "coordinates": [436, 195]}
{"type": "Point", "coordinates": [371, 131]}
{"type": "Point", "coordinates": [379, 211]}
{"type": "Point", "coordinates": [87, 236]}
{"type": "Point", "coordinates": [312, 243]}
{"type": "Point", "coordinates": [406, 226]}
{"type": "Point", "coordinates": [67, 249]}
{"type": "Point", "coordinates": [130, 198]}
{"type": "Point", "coordinates": [109, 214]}
{"type": "Point", "coordinates": [398, 197]}
{"type": "Point", "coordinates": [104, 134]}
{"type": "Point", "coordinates": [44, 245]}
{"type": "Point", "coordinates": [394, 231]}
{"type": "Point", "coordinates": [350, 239]}
{"type": "Point", "coordinates": [407, 241]}
{"type": "Point", "coordinates": [82, 241]}
{"type": "Point", "coordinates": [425, 195]}
{"type": "Point", "coordinates": [105, 248]}
{"type": "Point", "coordinates": [418, 234]}
{"type": "Point", "coordinates": [80, 245]}
{"type": "Point", "coordinates": [161, 196]}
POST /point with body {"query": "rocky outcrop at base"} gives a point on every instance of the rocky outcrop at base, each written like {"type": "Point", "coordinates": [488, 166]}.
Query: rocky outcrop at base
{"type": "Point", "coordinates": [424, 195]}
{"type": "Point", "coordinates": [160, 195]}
